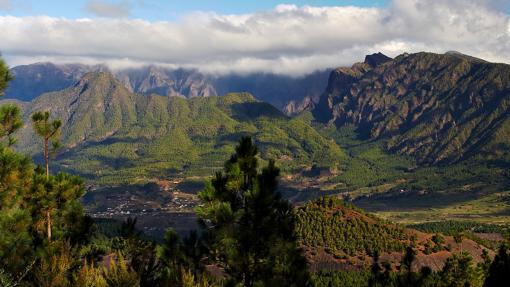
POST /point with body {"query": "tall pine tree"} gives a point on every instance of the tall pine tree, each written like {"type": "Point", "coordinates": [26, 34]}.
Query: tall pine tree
{"type": "Point", "coordinates": [249, 226]}
{"type": "Point", "coordinates": [49, 131]}
{"type": "Point", "coordinates": [15, 179]}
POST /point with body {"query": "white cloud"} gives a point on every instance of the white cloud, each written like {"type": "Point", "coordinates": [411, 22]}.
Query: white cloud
{"type": "Point", "coordinates": [289, 40]}
{"type": "Point", "coordinates": [109, 9]}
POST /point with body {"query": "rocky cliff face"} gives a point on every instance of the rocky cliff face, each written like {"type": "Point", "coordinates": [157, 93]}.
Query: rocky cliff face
{"type": "Point", "coordinates": [289, 94]}
{"type": "Point", "coordinates": [295, 106]}
{"type": "Point", "coordinates": [166, 82]}
{"type": "Point", "coordinates": [434, 107]}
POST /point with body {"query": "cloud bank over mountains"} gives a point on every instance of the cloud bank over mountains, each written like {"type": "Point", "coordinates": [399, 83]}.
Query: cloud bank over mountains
{"type": "Point", "coordinates": [286, 40]}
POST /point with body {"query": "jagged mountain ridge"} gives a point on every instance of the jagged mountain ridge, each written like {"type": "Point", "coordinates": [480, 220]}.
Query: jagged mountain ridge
{"type": "Point", "coordinates": [289, 94]}
{"type": "Point", "coordinates": [111, 133]}
{"type": "Point", "coordinates": [434, 107]}
{"type": "Point", "coordinates": [167, 82]}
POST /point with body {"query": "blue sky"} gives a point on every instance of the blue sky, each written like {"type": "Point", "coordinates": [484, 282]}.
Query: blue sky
{"type": "Point", "coordinates": [154, 10]}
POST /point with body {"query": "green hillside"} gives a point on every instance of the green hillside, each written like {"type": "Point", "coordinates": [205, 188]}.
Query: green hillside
{"type": "Point", "coordinates": [113, 136]}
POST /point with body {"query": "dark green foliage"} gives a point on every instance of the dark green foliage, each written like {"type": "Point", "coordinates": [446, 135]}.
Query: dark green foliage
{"type": "Point", "coordinates": [345, 229]}
{"type": "Point", "coordinates": [408, 259]}
{"type": "Point", "coordinates": [464, 229]}
{"type": "Point", "coordinates": [10, 122]}
{"type": "Point", "coordinates": [57, 196]}
{"type": "Point", "coordinates": [452, 227]}
{"type": "Point", "coordinates": [49, 131]}
{"type": "Point", "coordinates": [128, 229]}
{"type": "Point", "coordinates": [499, 271]}
{"type": "Point", "coordinates": [250, 228]}
{"type": "Point", "coordinates": [171, 258]}
{"type": "Point", "coordinates": [344, 278]}
{"type": "Point", "coordinates": [139, 252]}
{"type": "Point", "coordinates": [458, 271]}
{"type": "Point", "coordinates": [5, 76]}
{"type": "Point", "coordinates": [15, 221]}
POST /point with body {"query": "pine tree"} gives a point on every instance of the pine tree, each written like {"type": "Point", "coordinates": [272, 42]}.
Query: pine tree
{"type": "Point", "coordinates": [48, 131]}
{"type": "Point", "coordinates": [10, 122]}
{"type": "Point", "coordinates": [15, 220]}
{"type": "Point", "coordinates": [15, 178]}
{"type": "Point", "coordinates": [249, 226]}
{"type": "Point", "coordinates": [5, 76]}
{"type": "Point", "coordinates": [56, 198]}
{"type": "Point", "coordinates": [458, 270]}
{"type": "Point", "coordinates": [499, 270]}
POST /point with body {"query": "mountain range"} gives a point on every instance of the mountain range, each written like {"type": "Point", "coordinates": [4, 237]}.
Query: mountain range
{"type": "Point", "coordinates": [416, 122]}
{"type": "Point", "coordinates": [289, 94]}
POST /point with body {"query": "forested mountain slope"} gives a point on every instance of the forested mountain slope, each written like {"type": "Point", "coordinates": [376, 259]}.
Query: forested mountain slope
{"type": "Point", "coordinates": [111, 133]}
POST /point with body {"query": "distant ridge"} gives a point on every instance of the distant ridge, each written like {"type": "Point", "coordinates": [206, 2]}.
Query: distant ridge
{"type": "Point", "coordinates": [286, 93]}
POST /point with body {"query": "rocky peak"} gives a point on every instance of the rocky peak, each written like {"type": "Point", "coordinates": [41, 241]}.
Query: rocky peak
{"type": "Point", "coordinates": [376, 59]}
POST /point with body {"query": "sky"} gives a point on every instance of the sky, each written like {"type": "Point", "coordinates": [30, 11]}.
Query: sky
{"type": "Point", "coordinates": [233, 36]}
{"type": "Point", "coordinates": [157, 10]}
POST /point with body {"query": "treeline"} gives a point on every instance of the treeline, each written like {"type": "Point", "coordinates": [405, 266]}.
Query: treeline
{"type": "Point", "coordinates": [450, 227]}
{"type": "Point", "coordinates": [465, 229]}
{"type": "Point", "coordinates": [342, 229]}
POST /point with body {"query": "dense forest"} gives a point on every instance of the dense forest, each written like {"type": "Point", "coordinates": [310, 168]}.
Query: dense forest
{"type": "Point", "coordinates": [249, 235]}
{"type": "Point", "coordinates": [347, 230]}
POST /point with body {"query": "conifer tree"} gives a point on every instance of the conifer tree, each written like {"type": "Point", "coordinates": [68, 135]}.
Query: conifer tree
{"type": "Point", "coordinates": [10, 122]}
{"type": "Point", "coordinates": [458, 270]}
{"type": "Point", "coordinates": [5, 76]}
{"type": "Point", "coordinates": [249, 226]}
{"type": "Point", "coordinates": [499, 270]}
{"type": "Point", "coordinates": [15, 178]}
{"type": "Point", "coordinates": [56, 196]}
{"type": "Point", "coordinates": [48, 131]}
